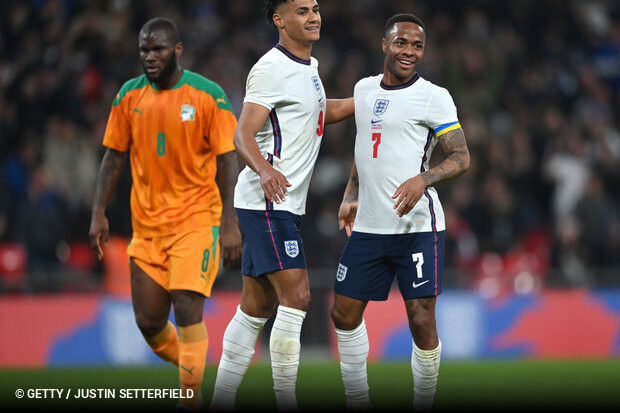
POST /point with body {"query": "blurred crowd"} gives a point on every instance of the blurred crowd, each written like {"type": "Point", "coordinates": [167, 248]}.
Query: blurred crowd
{"type": "Point", "coordinates": [536, 84]}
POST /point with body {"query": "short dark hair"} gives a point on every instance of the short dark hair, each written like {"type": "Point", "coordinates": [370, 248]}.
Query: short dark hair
{"type": "Point", "coordinates": [270, 9]}
{"type": "Point", "coordinates": [402, 17]}
{"type": "Point", "coordinates": [162, 23]}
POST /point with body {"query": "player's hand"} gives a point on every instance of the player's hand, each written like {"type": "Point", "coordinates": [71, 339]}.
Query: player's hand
{"type": "Point", "coordinates": [408, 194]}
{"type": "Point", "coordinates": [346, 216]}
{"type": "Point", "coordinates": [99, 233]}
{"type": "Point", "coordinates": [230, 242]}
{"type": "Point", "coordinates": [274, 184]}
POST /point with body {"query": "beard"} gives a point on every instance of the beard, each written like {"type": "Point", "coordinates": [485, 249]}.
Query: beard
{"type": "Point", "coordinates": [165, 72]}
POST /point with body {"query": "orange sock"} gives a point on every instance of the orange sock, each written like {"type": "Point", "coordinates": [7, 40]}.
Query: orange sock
{"type": "Point", "coordinates": [193, 345]}
{"type": "Point", "coordinates": [166, 344]}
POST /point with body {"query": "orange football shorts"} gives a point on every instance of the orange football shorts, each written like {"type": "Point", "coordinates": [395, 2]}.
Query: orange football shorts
{"type": "Point", "coordinates": [185, 261]}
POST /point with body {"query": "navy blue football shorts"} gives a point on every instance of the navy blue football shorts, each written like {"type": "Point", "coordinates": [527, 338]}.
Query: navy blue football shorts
{"type": "Point", "coordinates": [369, 263]}
{"type": "Point", "coordinates": [271, 241]}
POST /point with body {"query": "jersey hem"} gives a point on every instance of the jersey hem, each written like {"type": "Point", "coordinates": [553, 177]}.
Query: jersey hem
{"type": "Point", "coordinates": [382, 231]}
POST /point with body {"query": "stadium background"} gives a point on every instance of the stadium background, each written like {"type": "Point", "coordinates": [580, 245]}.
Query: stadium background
{"type": "Point", "coordinates": [533, 238]}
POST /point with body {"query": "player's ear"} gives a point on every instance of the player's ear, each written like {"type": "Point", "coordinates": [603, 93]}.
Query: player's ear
{"type": "Point", "coordinates": [277, 21]}
{"type": "Point", "coordinates": [178, 49]}
{"type": "Point", "coordinates": [383, 45]}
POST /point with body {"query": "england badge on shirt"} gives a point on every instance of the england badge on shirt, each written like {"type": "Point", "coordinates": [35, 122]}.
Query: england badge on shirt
{"type": "Point", "coordinates": [291, 248]}
{"type": "Point", "coordinates": [342, 272]}
{"type": "Point", "coordinates": [380, 106]}
{"type": "Point", "coordinates": [317, 84]}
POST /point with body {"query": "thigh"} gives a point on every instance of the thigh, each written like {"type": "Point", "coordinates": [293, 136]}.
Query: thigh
{"type": "Point", "coordinates": [151, 302]}
{"type": "Point", "coordinates": [151, 258]}
{"type": "Point", "coordinates": [272, 242]}
{"type": "Point", "coordinates": [418, 259]}
{"type": "Point", "coordinates": [363, 272]}
{"type": "Point", "coordinates": [194, 260]}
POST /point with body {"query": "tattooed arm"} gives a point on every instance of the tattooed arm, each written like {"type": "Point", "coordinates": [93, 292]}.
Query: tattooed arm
{"type": "Point", "coordinates": [109, 174]}
{"type": "Point", "coordinates": [348, 207]}
{"type": "Point", "coordinates": [456, 162]}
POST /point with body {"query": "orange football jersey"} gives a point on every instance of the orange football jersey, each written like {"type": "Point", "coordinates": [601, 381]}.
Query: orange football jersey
{"type": "Point", "coordinates": [174, 137]}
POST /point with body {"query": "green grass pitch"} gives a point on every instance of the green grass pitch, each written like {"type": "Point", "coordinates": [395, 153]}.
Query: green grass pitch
{"type": "Point", "coordinates": [491, 385]}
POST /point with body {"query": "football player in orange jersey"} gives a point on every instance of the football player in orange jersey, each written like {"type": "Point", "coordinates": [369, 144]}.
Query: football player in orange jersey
{"type": "Point", "coordinates": [178, 128]}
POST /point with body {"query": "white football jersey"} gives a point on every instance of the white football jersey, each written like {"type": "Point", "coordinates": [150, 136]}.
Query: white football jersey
{"type": "Point", "coordinates": [397, 129]}
{"type": "Point", "coordinates": [291, 89]}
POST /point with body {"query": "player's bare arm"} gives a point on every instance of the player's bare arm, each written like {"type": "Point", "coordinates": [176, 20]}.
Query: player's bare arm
{"type": "Point", "coordinates": [251, 120]}
{"type": "Point", "coordinates": [348, 207]}
{"type": "Point", "coordinates": [109, 174]}
{"type": "Point", "coordinates": [457, 161]}
{"type": "Point", "coordinates": [339, 109]}
{"type": "Point", "coordinates": [230, 235]}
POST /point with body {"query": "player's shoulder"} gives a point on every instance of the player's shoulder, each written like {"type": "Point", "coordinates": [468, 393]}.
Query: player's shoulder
{"type": "Point", "coordinates": [369, 82]}
{"type": "Point", "coordinates": [135, 83]}
{"type": "Point", "coordinates": [272, 60]}
{"type": "Point", "coordinates": [431, 89]}
{"type": "Point", "coordinates": [201, 83]}
{"type": "Point", "coordinates": [206, 86]}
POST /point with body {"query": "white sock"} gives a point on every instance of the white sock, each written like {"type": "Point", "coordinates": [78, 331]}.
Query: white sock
{"type": "Point", "coordinates": [425, 367]}
{"type": "Point", "coordinates": [353, 349]}
{"type": "Point", "coordinates": [284, 346]}
{"type": "Point", "coordinates": [238, 350]}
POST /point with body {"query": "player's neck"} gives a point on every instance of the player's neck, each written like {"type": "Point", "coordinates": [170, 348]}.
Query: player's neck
{"type": "Point", "coordinates": [301, 50]}
{"type": "Point", "coordinates": [170, 81]}
{"type": "Point", "coordinates": [391, 79]}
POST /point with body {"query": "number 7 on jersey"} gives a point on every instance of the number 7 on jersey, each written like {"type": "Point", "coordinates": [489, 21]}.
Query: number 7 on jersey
{"type": "Point", "coordinates": [375, 148]}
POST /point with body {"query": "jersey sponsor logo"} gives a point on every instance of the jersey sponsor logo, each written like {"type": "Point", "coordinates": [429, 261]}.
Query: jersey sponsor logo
{"type": "Point", "coordinates": [138, 111]}
{"type": "Point", "coordinates": [416, 285]}
{"type": "Point", "coordinates": [375, 121]}
{"type": "Point", "coordinates": [220, 100]}
{"type": "Point", "coordinates": [187, 113]}
{"type": "Point", "coordinates": [342, 272]}
{"type": "Point", "coordinates": [381, 106]}
{"type": "Point", "coordinates": [291, 248]}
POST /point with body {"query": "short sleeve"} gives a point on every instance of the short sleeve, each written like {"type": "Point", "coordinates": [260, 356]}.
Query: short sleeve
{"type": "Point", "coordinates": [264, 84]}
{"type": "Point", "coordinates": [221, 130]}
{"type": "Point", "coordinates": [441, 114]}
{"type": "Point", "coordinates": [118, 130]}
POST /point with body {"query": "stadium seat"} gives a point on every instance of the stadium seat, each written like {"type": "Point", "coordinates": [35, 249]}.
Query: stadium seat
{"type": "Point", "coordinates": [13, 263]}
{"type": "Point", "coordinates": [12, 259]}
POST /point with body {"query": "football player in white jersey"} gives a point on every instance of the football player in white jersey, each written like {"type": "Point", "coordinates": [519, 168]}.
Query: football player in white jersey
{"type": "Point", "coordinates": [391, 211]}
{"type": "Point", "coordinates": [278, 136]}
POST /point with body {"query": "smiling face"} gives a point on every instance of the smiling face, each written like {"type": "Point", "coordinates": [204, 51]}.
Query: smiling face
{"type": "Point", "coordinates": [158, 54]}
{"type": "Point", "coordinates": [299, 20]}
{"type": "Point", "coordinates": [403, 46]}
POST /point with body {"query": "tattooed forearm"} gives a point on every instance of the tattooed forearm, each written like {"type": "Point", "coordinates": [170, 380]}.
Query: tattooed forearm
{"type": "Point", "coordinates": [457, 160]}
{"type": "Point", "coordinates": [109, 175]}
{"type": "Point", "coordinates": [352, 190]}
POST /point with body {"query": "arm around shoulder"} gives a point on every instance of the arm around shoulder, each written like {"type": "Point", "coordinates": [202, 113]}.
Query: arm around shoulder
{"type": "Point", "coordinates": [339, 109]}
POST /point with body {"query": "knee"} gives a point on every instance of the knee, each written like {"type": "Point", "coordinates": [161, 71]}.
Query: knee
{"type": "Point", "coordinates": [187, 308]}
{"type": "Point", "coordinates": [422, 321]}
{"type": "Point", "coordinates": [148, 326]}
{"type": "Point", "coordinates": [299, 299]}
{"type": "Point", "coordinates": [344, 320]}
